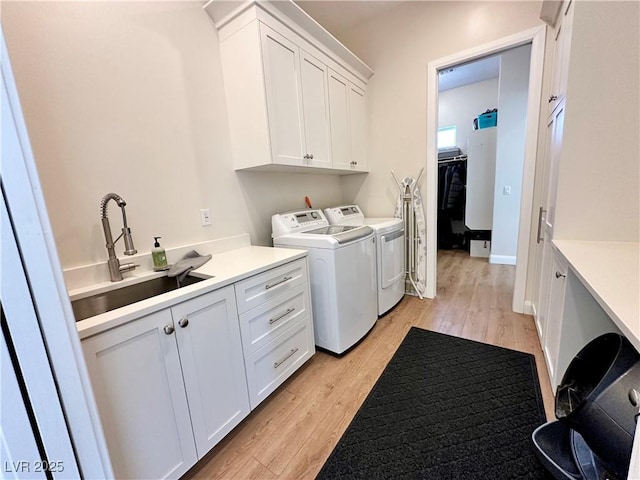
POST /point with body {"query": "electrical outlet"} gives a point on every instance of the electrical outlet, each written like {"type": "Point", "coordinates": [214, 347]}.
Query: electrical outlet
{"type": "Point", "coordinates": [506, 190]}
{"type": "Point", "coordinates": [205, 217]}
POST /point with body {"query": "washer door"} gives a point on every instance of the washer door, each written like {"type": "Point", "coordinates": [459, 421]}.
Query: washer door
{"type": "Point", "coordinates": [392, 266]}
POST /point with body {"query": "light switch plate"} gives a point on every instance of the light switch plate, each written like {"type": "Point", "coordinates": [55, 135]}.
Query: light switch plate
{"type": "Point", "coordinates": [205, 217]}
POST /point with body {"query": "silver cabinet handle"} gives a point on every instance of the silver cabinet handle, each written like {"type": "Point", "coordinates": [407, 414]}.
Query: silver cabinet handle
{"type": "Point", "coordinates": [183, 322]}
{"type": "Point", "coordinates": [541, 213]}
{"type": "Point", "coordinates": [553, 98]}
{"type": "Point", "coordinates": [287, 357]}
{"type": "Point", "coordinates": [282, 280]}
{"type": "Point", "coordinates": [282, 315]}
{"type": "Point", "coordinates": [308, 156]}
{"type": "Point", "coordinates": [168, 329]}
{"type": "Point", "coordinates": [560, 275]}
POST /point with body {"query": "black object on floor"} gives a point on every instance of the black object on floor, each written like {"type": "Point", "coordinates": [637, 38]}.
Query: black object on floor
{"type": "Point", "coordinates": [445, 408]}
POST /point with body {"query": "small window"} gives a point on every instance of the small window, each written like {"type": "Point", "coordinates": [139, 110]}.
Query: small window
{"type": "Point", "coordinates": [447, 137]}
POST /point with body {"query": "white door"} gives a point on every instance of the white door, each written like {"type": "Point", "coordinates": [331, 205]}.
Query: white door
{"type": "Point", "coordinates": [315, 106]}
{"type": "Point", "coordinates": [546, 215]}
{"type": "Point", "coordinates": [481, 174]}
{"type": "Point", "coordinates": [284, 97]}
{"type": "Point", "coordinates": [208, 335]}
{"type": "Point", "coordinates": [137, 381]}
{"type": "Point", "coordinates": [340, 128]}
{"type": "Point", "coordinates": [358, 128]}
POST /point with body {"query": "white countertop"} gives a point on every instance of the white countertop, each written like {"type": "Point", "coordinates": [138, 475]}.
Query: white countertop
{"type": "Point", "coordinates": [611, 273]}
{"type": "Point", "coordinates": [223, 269]}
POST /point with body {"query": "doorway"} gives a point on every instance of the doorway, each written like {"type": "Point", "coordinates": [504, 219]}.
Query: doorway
{"type": "Point", "coordinates": [536, 38]}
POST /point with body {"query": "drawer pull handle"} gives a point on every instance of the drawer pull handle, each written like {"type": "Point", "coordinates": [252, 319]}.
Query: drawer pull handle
{"type": "Point", "coordinates": [183, 322]}
{"type": "Point", "coordinates": [560, 275]}
{"type": "Point", "coordinates": [287, 357]}
{"type": "Point", "coordinates": [168, 329]}
{"type": "Point", "coordinates": [282, 315]}
{"type": "Point", "coordinates": [274, 284]}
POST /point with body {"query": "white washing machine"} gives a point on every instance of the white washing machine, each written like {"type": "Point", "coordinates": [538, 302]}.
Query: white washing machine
{"type": "Point", "coordinates": [390, 254]}
{"type": "Point", "coordinates": [342, 266]}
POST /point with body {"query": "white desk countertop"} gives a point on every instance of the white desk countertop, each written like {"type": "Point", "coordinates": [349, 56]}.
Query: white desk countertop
{"type": "Point", "coordinates": [223, 269]}
{"type": "Point", "coordinates": [611, 273]}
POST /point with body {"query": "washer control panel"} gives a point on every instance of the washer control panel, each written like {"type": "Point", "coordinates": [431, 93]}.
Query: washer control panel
{"type": "Point", "coordinates": [300, 221]}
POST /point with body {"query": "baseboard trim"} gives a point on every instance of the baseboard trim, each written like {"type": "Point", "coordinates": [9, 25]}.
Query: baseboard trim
{"type": "Point", "coordinates": [502, 259]}
{"type": "Point", "coordinates": [529, 308]}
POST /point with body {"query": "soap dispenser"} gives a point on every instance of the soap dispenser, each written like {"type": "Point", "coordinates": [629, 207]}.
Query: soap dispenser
{"type": "Point", "coordinates": [159, 256]}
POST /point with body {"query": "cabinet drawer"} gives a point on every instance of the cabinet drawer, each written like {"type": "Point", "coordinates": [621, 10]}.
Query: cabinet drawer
{"type": "Point", "coordinates": [275, 362]}
{"type": "Point", "coordinates": [265, 286]}
{"type": "Point", "coordinates": [262, 324]}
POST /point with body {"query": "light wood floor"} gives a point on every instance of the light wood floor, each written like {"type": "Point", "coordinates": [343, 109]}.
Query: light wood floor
{"type": "Point", "coordinates": [291, 434]}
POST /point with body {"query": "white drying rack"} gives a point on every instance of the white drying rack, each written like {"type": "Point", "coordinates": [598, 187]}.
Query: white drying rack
{"type": "Point", "coordinates": [412, 241]}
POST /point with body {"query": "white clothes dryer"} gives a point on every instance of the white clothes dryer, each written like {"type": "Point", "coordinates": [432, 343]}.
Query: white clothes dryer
{"type": "Point", "coordinates": [390, 251]}
{"type": "Point", "coordinates": [342, 266]}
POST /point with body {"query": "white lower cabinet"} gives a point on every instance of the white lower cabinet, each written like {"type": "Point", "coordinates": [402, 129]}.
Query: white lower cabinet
{"type": "Point", "coordinates": [276, 326]}
{"type": "Point", "coordinates": [208, 337]}
{"type": "Point", "coordinates": [137, 381]}
{"type": "Point", "coordinates": [554, 316]}
{"type": "Point", "coordinates": [169, 385]}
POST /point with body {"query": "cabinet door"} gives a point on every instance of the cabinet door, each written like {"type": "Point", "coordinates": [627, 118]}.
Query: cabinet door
{"type": "Point", "coordinates": [340, 127]}
{"type": "Point", "coordinates": [561, 50]}
{"type": "Point", "coordinates": [208, 335]}
{"type": "Point", "coordinates": [553, 148]}
{"type": "Point", "coordinates": [557, 287]}
{"type": "Point", "coordinates": [281, 60]}
{"type": "Point", "coordinates": [358, 128]}
{"type": "Point", "coordinates": [315, 105]}
{"type": "Point", "coordinates": [137, 382]}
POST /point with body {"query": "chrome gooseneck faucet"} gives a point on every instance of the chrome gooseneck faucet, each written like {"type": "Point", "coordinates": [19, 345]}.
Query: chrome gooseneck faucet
{"type": "Point", "coordinates": [115, 269]}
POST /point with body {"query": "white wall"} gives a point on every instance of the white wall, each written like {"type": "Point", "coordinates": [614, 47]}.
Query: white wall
{"type": "Point", "coordinates": [398, 46]}
{"type": "Point", "coordinates": [599, 178]}
{"type": "Point", "coordinates": [512, 124]}
{"type": "Point", "coordinates": [459, 106]}
{"type": "Point", "coordinates": [128, 97]}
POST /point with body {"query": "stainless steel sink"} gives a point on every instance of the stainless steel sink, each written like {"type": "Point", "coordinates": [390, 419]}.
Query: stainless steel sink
{"type": "Point", "coordinates": [107, 301]}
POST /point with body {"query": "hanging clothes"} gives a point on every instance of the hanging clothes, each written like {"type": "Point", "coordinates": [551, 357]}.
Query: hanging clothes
{"type": "Point", "coordinates": [452, 181]}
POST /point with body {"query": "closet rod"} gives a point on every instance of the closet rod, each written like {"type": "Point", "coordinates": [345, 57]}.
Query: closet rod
{"type": "Point", "coordinates": [457, 159]}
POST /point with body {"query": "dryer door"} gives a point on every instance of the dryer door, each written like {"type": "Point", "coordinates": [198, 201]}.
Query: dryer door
{"type": "Point", "coordinates": [391, 258]}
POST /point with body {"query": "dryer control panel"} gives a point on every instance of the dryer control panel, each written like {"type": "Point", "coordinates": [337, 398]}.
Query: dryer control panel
{"type": "Point", "coordinates": [345, 215]}
{"type": "Point", "coordinates": [294, 222]}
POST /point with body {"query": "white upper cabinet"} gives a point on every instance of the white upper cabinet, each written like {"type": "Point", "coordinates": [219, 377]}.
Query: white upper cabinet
{"type": "Point", "coordinates": [315, 105]}
{"type": "Point", "coordinates": [347, 104]}
{"type": "Point", "coordinates": [561, 50]}
{"type": "Point", "coordinates": [296, 97]}
{"type": "Point", "coordinates": [284, 97]}
{"type": "Point", "coordinates": [358, 126]}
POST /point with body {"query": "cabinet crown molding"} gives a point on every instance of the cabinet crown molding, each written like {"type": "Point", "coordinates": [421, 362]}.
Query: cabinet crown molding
{"type": "Point", "coordinates": [549, 11]}
{"type": "Point", "coordinates": [223, 12]}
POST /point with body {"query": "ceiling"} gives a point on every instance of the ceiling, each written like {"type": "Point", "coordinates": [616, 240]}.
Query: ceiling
{"type": "Point", "coordinates": [468, 73]}
{"type": "Point", "coordinates": [340, 15]}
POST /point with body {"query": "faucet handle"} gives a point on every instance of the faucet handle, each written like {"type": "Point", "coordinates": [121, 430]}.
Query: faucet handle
{"type": "Point", "coordinates": [127, 267]}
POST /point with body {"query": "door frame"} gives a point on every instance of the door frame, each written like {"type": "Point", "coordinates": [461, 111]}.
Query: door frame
{"type": "Point", "coordinates": [535, 36]}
